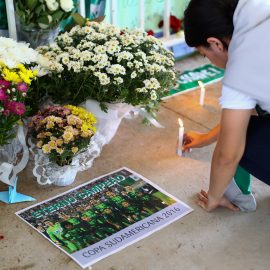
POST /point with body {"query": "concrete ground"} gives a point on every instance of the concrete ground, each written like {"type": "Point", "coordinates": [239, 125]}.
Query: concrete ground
{"type": "Point", "coordinates": [199, 241]}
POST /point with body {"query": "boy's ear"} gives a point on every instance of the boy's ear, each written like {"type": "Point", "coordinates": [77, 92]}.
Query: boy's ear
{"type": "Point", "coordinates": [216, 44]}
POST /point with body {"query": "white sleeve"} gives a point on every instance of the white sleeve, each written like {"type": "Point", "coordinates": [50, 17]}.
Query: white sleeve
{"type": "Point", "coordinates": [232, 99]}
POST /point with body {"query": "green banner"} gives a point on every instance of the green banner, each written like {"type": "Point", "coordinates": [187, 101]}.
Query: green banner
{"type": "Point", "coordinates": [188, 80]}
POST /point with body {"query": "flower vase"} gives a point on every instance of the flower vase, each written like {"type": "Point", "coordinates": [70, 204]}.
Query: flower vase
{"type": "Point", "coordinates": [14, 157]}
{"type": "Point", "coordinates": [9, 152]}
{"type": "Point", "coordinates": [67, 176]}
{"type": "Point", "coordinates": [36, 37]}
{"type": "Point", "coordinates": [51, 173]}
{"type": "Point", "coordinates": [108, 122]}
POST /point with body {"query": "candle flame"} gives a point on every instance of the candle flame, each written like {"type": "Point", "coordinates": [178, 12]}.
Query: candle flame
{"type": "Point", "coordinates": [201, 84]}
{"type": "Point", "coordinates": [180, 122]}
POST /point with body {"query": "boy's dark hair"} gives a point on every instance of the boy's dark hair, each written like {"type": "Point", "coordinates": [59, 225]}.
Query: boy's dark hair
{"type": "Point", "coordinates": [208, 18]}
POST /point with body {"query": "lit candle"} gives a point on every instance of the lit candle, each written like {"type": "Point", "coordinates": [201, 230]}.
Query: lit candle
{"type": "Point", "coordinates": [202, 95]}
{"type": "Point", "coordinates": [180, 137]}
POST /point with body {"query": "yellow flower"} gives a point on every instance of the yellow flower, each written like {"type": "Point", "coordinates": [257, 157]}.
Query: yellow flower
{"type": "Point", "coordinates": [67, 136]}
{"type": "Point", "coordinates": [74, 150]}
{"type": "Point", "coordinates": [24, 77]}
{"type": "Point", "coordinates": [50, 124]}
{"type": "Point", "coordinates": [59, 151]}
{"type": "Point", "coordinates": [73, 120]}
{"type": "Point", "coordinates": [11, 76]}
{"type": "Point", "coordinates": [52, 144]}
{"type": "Point", "coordinates": [59, 142]}
{"type": "Point", "coordinates": [46, 149]}
{"type": "Point", "coordinates": [87, 134]}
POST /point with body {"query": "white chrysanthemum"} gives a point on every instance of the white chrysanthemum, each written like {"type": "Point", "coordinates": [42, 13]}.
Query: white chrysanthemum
{"type": "Point", "coordinates": [138, 64]}
{"type": "Point", "coordinates": [87, 30]}
{"type": "Point", "coordinates": [153, 94]}
{"type": "Point", "coordinates": [13, 53]}
{"type": "Point", "coordinates": [141, 90]}
{"type": "Point", "coordinates": [88, 45]}
{"type": "Point", "coordinates": [152, 83]}
{"type": "Point", "coordinates": [104, 79]}
{"type": "Point", "coordinates": [116, 69]}
{"type": "Point", "coordinates": [100, 49]}
{"type": "Point", "coordinates": [130, 64]}
{"type": "Point", "coordinates": [66, 5]}
{"type": "Point", "coordinates": [133, 75]}
{"type": "Point", "coordinates": [102, 64]}
{"type": "Point", "coordinates": [124, 56]}
{"type": "Point", "coordinates": [86, 56]}
{"type": "Point", "coordinates": [74, 30]}
{"type": "Point", "coordinates": [118, 80]}
{"type": "Point", "coordinates": [65, 60]}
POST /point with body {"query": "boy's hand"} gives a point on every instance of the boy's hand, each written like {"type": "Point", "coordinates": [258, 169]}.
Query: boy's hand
{"type": "Point", "coordinates": [209, 204]}
{"type": "Point", "coordinates": [194, 140]}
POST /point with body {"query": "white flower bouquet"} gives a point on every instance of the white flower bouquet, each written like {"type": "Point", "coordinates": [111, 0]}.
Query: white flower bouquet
{"type": "Point", "coordinates": [43, 14]}
{"type": "Point", "coordinates": [107, 64]}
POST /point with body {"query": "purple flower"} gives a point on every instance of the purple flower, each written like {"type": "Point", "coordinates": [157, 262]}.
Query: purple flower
{"type": "Point", "coordinates": [17, 108]}
{"type": "Point", "coordinates": [22, 87]}
{"type": "Point", "coordinates": [4, 84]}
{"type": "Point", "coordinates": [3, 95]}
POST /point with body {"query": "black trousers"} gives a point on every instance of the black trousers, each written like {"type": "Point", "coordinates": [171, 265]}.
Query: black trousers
{"type": "Point", "coordinates": [256, 159]}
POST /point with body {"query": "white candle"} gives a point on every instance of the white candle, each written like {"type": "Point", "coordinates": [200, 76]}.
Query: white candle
{"type": "Point", "coordinates": [202, 95]}
{"type": "Point", "coordinates": [180, 137]}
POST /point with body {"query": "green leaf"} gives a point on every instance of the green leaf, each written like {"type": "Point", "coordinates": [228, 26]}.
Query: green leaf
{"type": "Point", "coordinates": [57, 16]}
{"type": "Point", "coordinates": [31, 4]}
{"type": "Point", "coordinates": [43, 20]}
{"type": "Point", "coordinates": [39, 9]}
{"type": "Point", "coordinates": [79, 19]}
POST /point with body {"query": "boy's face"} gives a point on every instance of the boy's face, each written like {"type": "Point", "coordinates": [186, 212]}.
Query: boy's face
{"type": "Point", "coordinates": [216, 52]}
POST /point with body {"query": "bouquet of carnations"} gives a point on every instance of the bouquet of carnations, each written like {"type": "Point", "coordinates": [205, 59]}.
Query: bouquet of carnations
{"type": "Point", "coordinates": [63, 132]}
{"type": "Point", "coordinates": [14, 86]}
{"type": "Point", "coordinates": [101, 62]}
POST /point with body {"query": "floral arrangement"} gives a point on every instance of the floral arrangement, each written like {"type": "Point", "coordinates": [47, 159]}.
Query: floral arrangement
{"type": "Point", "coordinates": [13, 53]}
{"type": "Point", "coordinates": [63, 132]}
{"type": "Point", "coordinates": [102, 62]}
{"type": "Point", "coordinates": [43, 14]}
{"type": "Point", "coordinates": [14, 86]}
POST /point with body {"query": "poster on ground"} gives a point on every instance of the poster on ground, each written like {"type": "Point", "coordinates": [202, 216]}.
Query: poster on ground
{"type": "Point", "coordinates": [104, 215]}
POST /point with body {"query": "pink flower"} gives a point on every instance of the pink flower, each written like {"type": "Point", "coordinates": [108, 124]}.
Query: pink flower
{"type": "Point", "coordinates": [17, 108]}
{"type": "Point", "coordinates": [6, 112]}
{"type": "Point", "coordinates": [3, 95]}
{"type": "Point", "coordinates": [22, 87]}
{"type": "Point", "coordinates": [4, 84]}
